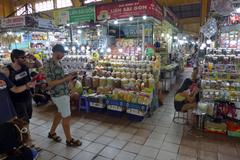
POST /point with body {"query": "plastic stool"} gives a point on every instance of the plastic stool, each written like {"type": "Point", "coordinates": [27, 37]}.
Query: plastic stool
{"type": "Point", "coordinates": [83, 104]}
{"type": "Point", "coordinates": [180, 117]}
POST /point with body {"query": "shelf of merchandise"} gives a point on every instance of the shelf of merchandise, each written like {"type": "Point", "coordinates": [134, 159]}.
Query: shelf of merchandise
{"type": "Point", "coordinates": [220, 83]}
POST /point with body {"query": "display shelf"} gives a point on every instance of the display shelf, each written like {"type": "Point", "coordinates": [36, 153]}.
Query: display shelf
{"type": "Point", "coordinates": [217, 79]}
{"type": "Point", "coordinates": [220, 91]}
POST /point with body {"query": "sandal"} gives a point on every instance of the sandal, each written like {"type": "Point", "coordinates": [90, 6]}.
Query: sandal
{"type": "Point", "coordinates": [54, 137]}
{"type": "Point", "coordinates": [73, 143]}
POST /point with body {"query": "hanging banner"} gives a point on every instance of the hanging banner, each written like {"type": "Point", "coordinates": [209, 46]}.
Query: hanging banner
{"type": "Point", "coordinates": [45, 23]}
{"type": "Point", "coordinates": [74, 15]}
{"type": "Point", "coordinates": [82, 14]}
{"type": "Point", "coordinates": [13, 22]}
{"type": "Point", "coordinates": [61, 17]}
{"type": "Point", "coordinates": [129, 8]}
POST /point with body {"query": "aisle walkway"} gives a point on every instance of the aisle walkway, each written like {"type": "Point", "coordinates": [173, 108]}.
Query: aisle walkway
{"type": "Point", "coordinates": [105, 138]}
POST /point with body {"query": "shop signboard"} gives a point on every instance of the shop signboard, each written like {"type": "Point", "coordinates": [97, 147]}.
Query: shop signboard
{"type": "Point", "coordinates": [11, 22]}
{"type": "Point", "coordinates": [158, 11]}
{"type": "Point", "coordinates": [125, 9]}
{"type": "Point", "coordinates": [82, 14]}
{"type": "Point", "coordinates": [45, 23]}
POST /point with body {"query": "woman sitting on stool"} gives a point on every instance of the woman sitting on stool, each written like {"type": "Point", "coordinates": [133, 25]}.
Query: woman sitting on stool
{"type": "Point", "coordinates": [187, 97]}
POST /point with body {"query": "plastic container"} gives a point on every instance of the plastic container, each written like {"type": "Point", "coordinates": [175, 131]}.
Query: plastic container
{"type": "Point", "coordinates": [102, 82]}
{"type": "Point", "coordinates": [95, 81]}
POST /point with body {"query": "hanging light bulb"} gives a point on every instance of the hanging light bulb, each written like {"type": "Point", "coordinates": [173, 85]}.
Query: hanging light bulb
{"type": "Point", "coordinates": [109, 50]}
{"type": "Point", "coordinates": [101, 50]}
{"type": "Point", "coordinates": [130, 18]}
{"type": "Point", "coordinates": [83, 48]}
{"type": "Point", "coordinates": [203, 45]}
{"type": "Point", "coordinates": [139, 49]}
{"type": "Point", "coordinates": [120, 50]}
{"type": "Point", "coordinates": [144, 17]}
{"type": "Point", "coordinates": [98, 32]}
{"type": "Point", "coordinates": [116, 22]}
{"type": "Point", "coordinates": [79, 31]}
{"type": "Point", "coordinates": [201, 48]}
{"type": "Point", "coordinates": [168, 36]}
{"type": "Point", "coordinates": [209, 41]}
{"type": "Point", "coordinates": [74, 48]}
{"type": "Point", "coordinates": [181, 42]}
{"type": "Point", "coordinates": [66, 48]}
{"type": "Point", "coordinates": [162, 35]}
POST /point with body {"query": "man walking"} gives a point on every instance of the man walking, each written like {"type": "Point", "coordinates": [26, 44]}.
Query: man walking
{"type": "Point", "coordinates": [58, 83]}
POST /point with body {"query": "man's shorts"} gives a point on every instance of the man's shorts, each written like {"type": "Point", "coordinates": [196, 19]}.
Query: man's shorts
{"type": "Point", "coordinates": [63, 105]}
{"type": "Point", "coordinates": [24, 109]}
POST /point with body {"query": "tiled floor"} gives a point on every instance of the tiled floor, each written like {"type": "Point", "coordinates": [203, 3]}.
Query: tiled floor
{"type": "Point", "coordinates": [155, 138]}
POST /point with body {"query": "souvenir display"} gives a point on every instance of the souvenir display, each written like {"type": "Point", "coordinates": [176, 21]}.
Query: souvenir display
{"type": "Point", "coordinates": [220, 92]}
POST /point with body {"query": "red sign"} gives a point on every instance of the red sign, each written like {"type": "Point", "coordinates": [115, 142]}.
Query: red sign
{"type": "Point", "coordinates": [158, 12]}
{"type": "Point", "coordinates": [129, 8]}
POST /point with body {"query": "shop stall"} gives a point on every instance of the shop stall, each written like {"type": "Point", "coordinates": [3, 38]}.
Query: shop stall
{"type": "Point", "coordinates": [220, 93]}
{"type": "Point", "coordinates": [219, 101]}
{"type": "Point", "coordinates": [123, 77]}
{"type": "Point", "coordinates": [26, 32]}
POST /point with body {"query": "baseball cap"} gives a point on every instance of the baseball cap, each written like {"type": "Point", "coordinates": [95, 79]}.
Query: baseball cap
{"type": "Point", "coordinates": [59, 48]}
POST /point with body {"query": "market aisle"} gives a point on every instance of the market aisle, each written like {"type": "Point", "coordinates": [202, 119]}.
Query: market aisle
{"type": "Point", "coordinates": [105, 137]}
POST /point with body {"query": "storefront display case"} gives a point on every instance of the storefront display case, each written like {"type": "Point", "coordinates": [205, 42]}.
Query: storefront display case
{"type": "Point", "coordinates": [220, 94]}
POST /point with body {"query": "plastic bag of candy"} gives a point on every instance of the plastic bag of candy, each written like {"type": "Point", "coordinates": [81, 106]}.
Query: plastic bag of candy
{"type": "Point", "coordinates": [210, 28]}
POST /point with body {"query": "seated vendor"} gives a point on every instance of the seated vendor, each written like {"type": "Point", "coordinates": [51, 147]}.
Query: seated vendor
{"type": "Point", "coordinates": [76, 89]}
{"type": "Point", "coordinates": [41, 94]}
{"type": "Point", "coordinates": [186, 97]}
